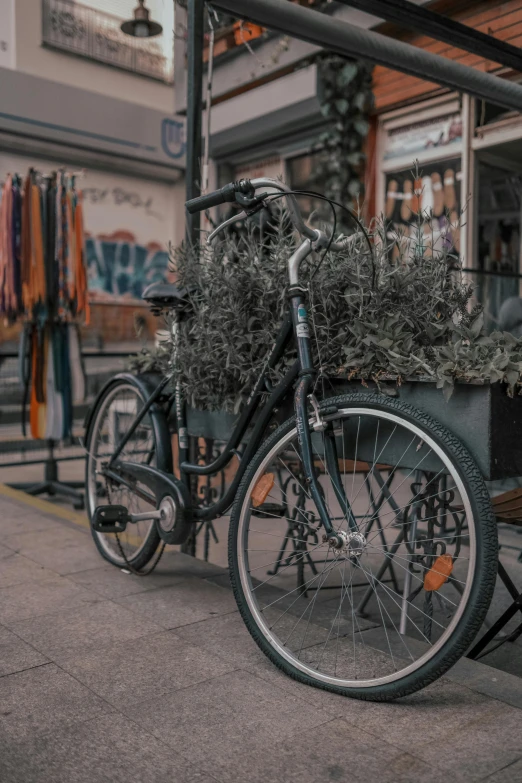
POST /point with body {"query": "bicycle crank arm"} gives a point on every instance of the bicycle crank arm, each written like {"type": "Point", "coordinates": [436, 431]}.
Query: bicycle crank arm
{"type": "Point", "coordinates": [145, 515]}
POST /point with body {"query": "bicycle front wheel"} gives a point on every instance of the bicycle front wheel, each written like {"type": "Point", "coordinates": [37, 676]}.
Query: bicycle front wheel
{"type": "Point", "coordinates": [409, 583]}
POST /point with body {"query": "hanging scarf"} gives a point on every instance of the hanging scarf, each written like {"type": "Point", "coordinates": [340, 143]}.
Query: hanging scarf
{"type": "Point", "coordinates": [43, 278]}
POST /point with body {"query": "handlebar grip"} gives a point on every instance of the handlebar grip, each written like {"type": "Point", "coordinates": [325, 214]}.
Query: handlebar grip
{"type": "Point", "coordinates": [221, 196]}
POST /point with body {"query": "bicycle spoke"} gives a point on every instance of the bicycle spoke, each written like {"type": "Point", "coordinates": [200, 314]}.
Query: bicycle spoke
{"type": "Point", "coordinates": [362, 612]}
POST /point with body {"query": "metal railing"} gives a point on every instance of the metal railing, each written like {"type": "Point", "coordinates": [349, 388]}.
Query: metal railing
{"type": "Point", "coordinates": [87, 32]}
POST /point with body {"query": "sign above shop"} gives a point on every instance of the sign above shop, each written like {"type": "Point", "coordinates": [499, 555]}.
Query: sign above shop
{"type": "Point", "coordinates": [433, 133]}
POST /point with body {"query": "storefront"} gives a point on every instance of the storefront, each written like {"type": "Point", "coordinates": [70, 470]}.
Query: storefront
{"type": "Point", "coordinates": [452, 156]}
{"type": "Point", "coordinates": [456, 156]}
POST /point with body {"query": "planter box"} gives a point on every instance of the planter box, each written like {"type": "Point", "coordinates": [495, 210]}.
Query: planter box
{"type": "Point", "coordinates": [217, 425]}
{"type": "Point", "coordinates": [482, 416]}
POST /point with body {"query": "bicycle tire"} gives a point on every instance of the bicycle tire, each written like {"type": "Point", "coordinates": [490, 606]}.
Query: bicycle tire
{"type": "Point", "coordinates": [156, 423]}
{"type": "Point", "coordinates": [483, 574]}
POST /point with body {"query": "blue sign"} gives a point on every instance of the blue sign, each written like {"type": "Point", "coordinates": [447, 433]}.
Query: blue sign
{"type": "Point", "coordinates": [173, 138]}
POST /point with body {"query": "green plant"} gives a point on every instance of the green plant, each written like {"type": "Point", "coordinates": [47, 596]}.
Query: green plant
{"type": "Point", "coordinates": [346, 99]}
{"type": "Point", "coordinates": [373, 318]}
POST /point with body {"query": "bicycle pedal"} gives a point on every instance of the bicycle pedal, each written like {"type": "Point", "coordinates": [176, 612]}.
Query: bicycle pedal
{"type": "Point", "coordinates": [110, 519]}
{"type": "Point", "coordinates": [269, 510]}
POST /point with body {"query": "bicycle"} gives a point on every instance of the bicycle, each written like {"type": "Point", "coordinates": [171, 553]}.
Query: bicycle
{"type": "Point", "coordinates": [362, 546]}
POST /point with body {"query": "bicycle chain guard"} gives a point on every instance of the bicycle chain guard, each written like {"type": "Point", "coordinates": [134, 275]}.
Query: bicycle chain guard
{"type": "Point", "coordinates": [172, 498]}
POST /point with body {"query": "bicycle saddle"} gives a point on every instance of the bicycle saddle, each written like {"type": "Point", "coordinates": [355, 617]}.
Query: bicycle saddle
{"type": "Point", "coordinates": [166, 295]}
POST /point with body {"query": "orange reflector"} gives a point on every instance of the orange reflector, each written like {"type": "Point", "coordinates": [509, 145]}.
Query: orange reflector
{"type": "Point", "coordinates": [262, 488]}
{"type": "Point", "coordinates": [438, 573]}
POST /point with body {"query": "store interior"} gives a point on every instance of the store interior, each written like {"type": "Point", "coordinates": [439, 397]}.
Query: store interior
{"type": "Point", "coordinates": [497, 240]}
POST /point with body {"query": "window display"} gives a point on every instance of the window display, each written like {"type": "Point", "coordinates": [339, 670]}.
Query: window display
{"type": "Point", "coordinates": [434, 189]}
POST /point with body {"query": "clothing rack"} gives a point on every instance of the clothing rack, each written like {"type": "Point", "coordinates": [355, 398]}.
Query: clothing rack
{"type": "Point", "coordinates": [43, 283]}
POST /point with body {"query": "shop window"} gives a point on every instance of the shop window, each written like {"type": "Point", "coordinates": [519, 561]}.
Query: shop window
{"type": "Point", "coordinates": [421, 175]}
{"type": "Point", "coordinates": [434, 189]}
{"type": "Point", "coordinates": [301, 175]}
{"type": "Point", "coordinates": [498, 238]}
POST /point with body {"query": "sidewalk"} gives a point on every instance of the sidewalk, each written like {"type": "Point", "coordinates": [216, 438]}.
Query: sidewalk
{"type": "Point", "coordinates": [106, 676]}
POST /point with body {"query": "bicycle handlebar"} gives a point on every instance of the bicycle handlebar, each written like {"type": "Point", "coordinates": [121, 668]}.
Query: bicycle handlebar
{"type": "Point", "coordinates": [221, 196]}
{"type": "Point", "coordinates": [241, 191]}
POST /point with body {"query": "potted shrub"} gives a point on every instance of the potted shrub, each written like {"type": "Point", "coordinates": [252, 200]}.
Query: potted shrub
{"type": "Point", "coordinates": [399, 320]}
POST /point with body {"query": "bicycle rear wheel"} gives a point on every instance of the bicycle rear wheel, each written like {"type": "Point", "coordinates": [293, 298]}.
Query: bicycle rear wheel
{"type": "Point", "coordinates": [115, 411]}
{"type": "Point", "coordinates": [405, 593]}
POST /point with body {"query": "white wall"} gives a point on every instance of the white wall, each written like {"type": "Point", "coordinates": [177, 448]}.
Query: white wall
{"type": "Point", "coordinates": [7, 34]}
{"type": "Point", "coordinates": [33, 58]}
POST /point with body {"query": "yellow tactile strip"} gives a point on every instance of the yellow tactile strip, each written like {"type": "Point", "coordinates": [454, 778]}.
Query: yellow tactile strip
{"type": "Point", "coordinates": [44, 505]}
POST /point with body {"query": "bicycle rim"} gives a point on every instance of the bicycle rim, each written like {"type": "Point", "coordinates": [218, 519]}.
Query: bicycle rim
{"type": "Point", "coordinates": [366, 615]}
{"type": "Point", "coordinates": [115, 414]}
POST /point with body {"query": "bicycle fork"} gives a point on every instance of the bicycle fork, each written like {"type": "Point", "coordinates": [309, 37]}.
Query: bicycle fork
{"type": "Point", "coordinates": [302, 391]}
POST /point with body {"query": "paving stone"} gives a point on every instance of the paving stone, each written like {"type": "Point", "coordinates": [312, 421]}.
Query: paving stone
{"type": "Point", "coordinates": [62, 549]}
{"type": "Point", "coordinates": [336, 705]}
{"type": "Point", "coordinates": [481, 748]}
{"type": "Point", "coordinates": [16, 655]}
{"type": "Point", "coordinates": [5, 552]}
{"type": "Point", "coordinates": [227, 636]}
{"type": "Point", "coordinates": [28, 522]}
{"type": "Point", "coordinates": [16, 518]}
{"type": "Point", "coordinates": [334, 751]}
{"type": "Point", "coordinates": [17, 569]}
{"type": "Point", "coordinates": [512, 773]}
{"type": "Point", "coordinates": [507, 659]}
{"type": "Point", "coordinates": [185, 565]}
{"type": "Point", "coordinates": [85, 628]}
{"type": "Point", "coordinates": [32, 599]}
{"type": "Point", "coordinates": [111, 582]}
{"type": "Point", "coordinates": [210, 723]}
{"type": "Point", "coordinates": [128, 673]}
{"type": "Point", "coordinates": [189, 601]}
{"type": "Point", "coordinates": [210, 706]}
{"type": "Point", "coordinates": [435, 713]}
{"type": "Point", "coordinates": [488, 680]}
{"type": "Point", "coordinates": [41, 700]}
{"type": "Point", "coordinates": [222, 579]}
{"type": "Point", "coordinates": [56, 535]}
{"type": "Point", "coordinates": [108, 749]}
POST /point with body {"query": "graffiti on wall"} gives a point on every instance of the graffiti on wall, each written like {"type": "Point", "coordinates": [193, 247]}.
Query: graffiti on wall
{"type": "Point", "coordinates": [127, 235]}
{"type": "Point", "coordinates": [119, 266]}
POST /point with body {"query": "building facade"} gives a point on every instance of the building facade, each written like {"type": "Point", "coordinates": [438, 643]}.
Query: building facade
{"type": "Point", "coordinates": [76, 93]}
{"type": "Point", "coordinates": [266, 120]}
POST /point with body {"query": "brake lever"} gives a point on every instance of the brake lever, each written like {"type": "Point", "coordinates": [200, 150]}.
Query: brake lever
{"type": "Point", "coordinates": [240, 216]}
{"type": "Point", "coordinates": [250, 207]}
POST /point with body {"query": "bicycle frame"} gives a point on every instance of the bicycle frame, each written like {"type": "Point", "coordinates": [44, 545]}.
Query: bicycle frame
{"type": "Point", "coordinates": [295, 327]}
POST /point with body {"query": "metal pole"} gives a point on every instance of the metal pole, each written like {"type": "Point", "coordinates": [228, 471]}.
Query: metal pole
{"type": "Point", "coordinates": [336, 35]}
{"type": "Point", "coordinates": [194, 106]}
